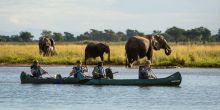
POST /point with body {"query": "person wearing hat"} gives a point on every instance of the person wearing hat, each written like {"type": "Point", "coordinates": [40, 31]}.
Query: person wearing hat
{"type": "Point", "coordinates": [98, 71]}
{"type": "Point", "coordinates": [145, 71]}
{"type": "Point", "coordinates": [36, 69]}
{"type": "Point", "coordinates": [78, 70]}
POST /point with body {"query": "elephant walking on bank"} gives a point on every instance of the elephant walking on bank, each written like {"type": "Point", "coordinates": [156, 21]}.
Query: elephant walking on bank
{"type": "Point", "coordinates": [141, 46]}
{"type": "Point", "coordinates": [47, 46]}
{"type": "Point", "coordinates": [94, 50]}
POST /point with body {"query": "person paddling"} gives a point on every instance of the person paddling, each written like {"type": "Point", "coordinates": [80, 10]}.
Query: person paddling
{"type": "Point", "coordinates": [78, 70]}
{"type": "Point", "coordinates": [36, 69]}
{"type": "Point", "coordinates": [145, 71]}
{"type": "Point", "coordinates": [98, 71]}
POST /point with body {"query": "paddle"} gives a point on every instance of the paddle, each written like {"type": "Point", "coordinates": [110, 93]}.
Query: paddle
{"type": "Point", "coordinates": [115, 72]}
{"type": "Point", "coordinates": [48, 74]}
{"type": "Point", "coordinates": [45, 72]}
{"type": "Point", "coordinates": [72, 74]}
{"type": "Point", "coordinates": [153, 74]}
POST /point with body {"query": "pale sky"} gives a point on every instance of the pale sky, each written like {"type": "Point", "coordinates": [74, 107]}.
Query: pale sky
{"type": "Point", "coordinates": [79, 16]}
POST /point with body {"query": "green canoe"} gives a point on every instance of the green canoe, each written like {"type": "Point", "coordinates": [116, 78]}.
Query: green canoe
{"type": "Point", "coordinates": [172, 80]}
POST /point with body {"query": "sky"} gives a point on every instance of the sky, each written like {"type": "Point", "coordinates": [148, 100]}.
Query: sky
{"type": "Point", "coordinates": [79, 16]}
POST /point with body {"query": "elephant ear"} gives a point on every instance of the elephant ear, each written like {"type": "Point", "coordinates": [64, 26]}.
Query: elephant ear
{"type": "Point", "coordinates": [156, 44]}
{"type": "Point", "coordinates": [99, 47]}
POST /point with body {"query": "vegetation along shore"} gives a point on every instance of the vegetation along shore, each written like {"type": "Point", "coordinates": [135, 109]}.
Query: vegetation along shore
{"type": "Point", "coordinates": [185, 55]}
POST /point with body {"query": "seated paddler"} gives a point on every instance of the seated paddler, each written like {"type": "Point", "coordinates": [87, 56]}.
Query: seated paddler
{"type": "Point", "coordinates": [36, 69]}
{"type": "Point", "coordinates": [145, 71]}
{"type": "Point", "coordinates": [78, 70]}
{"type": "Point", "coordinates": [98, 71]}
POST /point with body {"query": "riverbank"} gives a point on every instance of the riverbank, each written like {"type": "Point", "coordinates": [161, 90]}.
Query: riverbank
{"type": "Point", "coordinates": [183, 55]}
{"type": "Point", "coordinates": [62, 65]}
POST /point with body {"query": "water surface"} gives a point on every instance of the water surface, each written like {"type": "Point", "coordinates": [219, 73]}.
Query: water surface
{"type": "Point", "coordinates": [199, 90]}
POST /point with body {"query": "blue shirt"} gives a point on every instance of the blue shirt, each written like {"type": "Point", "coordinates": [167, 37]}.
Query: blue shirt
{"type": "Point", "coordinates": [78, 70]}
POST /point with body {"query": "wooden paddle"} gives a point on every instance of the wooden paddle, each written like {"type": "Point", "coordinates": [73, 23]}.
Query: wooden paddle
{"type": "Point", "coordinates": [48, 74]}
{"type": "Point", "coordinates": [153, 74]}
{"type": "Point", "coordinates": [71, 75]}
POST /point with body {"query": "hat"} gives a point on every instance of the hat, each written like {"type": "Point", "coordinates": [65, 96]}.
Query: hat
{"type": "Point", "coordinates": [99, 63]}
{"type": "Point", "coordinates": [35, 61]}
{"type": "Point", "coordinates": [78, 62]}
{"type": "Point", "coordinates": [148, 62]}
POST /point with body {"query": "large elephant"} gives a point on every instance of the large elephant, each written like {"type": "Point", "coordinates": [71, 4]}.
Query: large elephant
{"type": "Point", "coordinates": [94, 50]}
{"type": "Point", "coordinates": [47, 46]}
{"type": "Point", "coordinates": [141, 46]}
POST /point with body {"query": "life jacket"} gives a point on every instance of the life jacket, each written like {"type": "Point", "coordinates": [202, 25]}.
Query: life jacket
{"type": "Point", "coordinates": [79, 73]}
{"type": "Point", "coordinates": [143, 72]}
{"type": "Point", "coordinates": [98, 72]}
{"type": "Point", "coordinates": [36, 71]}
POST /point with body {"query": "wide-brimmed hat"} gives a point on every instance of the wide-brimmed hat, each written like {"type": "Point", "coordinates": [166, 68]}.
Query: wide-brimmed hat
{"type": "Point", "coordinates": [99, 63]}
{"type": "Point", "coordinates": [35, 61]}
{"type": "Point", "coordinates": [78, 62]}
{"type": "Point", "coordinates": [148, 62]}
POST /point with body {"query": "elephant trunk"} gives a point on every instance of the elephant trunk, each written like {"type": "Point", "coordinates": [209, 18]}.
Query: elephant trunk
{"type": "Point", "coordinates": [167, 50]}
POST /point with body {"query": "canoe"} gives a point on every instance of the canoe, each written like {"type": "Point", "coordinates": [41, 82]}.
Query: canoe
{"type": "Point", "coordinates": [27, 78]}
{"type": "Point", "coordinates": [172, 80]}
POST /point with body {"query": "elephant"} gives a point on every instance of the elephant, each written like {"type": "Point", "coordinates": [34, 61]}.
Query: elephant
{"type": "Point", "coordinates": [47, 46]}
{"type": "Point", "coordinates": [94, 50]}
{"type": "Point", "coordinates": [140, 46]}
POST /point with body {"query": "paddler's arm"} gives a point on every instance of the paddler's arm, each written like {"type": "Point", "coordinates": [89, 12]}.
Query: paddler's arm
{"type": "Point", "coordinates": [84, 69]}
{"type": "Point", "coordinates": [72, 72]}
{"type": "Point", "coordinates": [44, 71]}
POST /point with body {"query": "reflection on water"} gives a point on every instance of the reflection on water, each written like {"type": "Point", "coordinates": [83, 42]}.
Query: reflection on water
{"type": "Point", "coordinates": [199, 89]}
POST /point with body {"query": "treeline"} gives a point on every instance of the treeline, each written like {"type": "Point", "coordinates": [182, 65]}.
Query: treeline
{"type": "Point", "coordinates": [200, 34]}
{"type": "Point", "coordinates": [173, 34]}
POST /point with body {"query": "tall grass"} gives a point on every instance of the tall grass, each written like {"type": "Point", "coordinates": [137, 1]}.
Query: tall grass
{"type": "Point", "coordinates": [182, 55]}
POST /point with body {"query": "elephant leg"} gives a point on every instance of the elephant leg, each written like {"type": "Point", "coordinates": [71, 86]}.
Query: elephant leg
{"type": "Point", "coordinates": [130, 62]}
{"type": "Point", "coordinates": [149, 56]}
{"type": "Point", "coordinates": [85, 59]}
{"type": "Point", "coordinates": [135, 58]}
{"type": "Point", "coordinates": [51, 51]}
{"type": "Point", "coordinates": [44, 53]}
{"type": "Point", "coordinates": [102, 58]}
{"type": "Point", "coordinates": [40, 51]}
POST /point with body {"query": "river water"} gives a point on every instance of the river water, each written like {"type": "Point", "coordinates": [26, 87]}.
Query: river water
{"type": "Point", "coordinates": [199, 90]}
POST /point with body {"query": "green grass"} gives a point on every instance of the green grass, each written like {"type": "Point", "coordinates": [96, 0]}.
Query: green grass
{"type": "Point", "coordinates": [187, 55]}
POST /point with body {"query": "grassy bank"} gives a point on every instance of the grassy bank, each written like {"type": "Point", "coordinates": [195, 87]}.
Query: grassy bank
{"type": "Point", "coordinates": [182, 55]}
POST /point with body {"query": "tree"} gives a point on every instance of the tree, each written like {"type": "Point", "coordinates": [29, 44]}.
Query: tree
{"type": "Point", "coordinates": [82, 37]}
{"type": "Point", "coordinates": [26, 36]}
{"type": "Point", "coordinates": [131, 33]}
{"type": "Point", "coordinates": [193, 35]}
{"type": "Point", "coordinates": [57, 36]}
{"type": "Point", "coordinates": [96, 35]}
{"type": "Point", "coordinates": [199, 34]}
{"type": "Point", "coordinates": [121, 36]}
{"type": "Point", "coordinates": [16, 38]}
{"type": "Point", "coordinates": [157, 32]}
{"type": "Point", "coordinates": [46, 33]}
{"type": "Point", "coordinates": [176, 34]}
{"type": "Point", "coordinates": [68, 36]}
{"type": "Point", "coordinates": [216, 37]}
{"type": "Point", "coordinates": [4, 38]}
{"type": "Point", "coordinates": [110, 35]}
{"type": "Point", "coordinates": [206, 34]}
